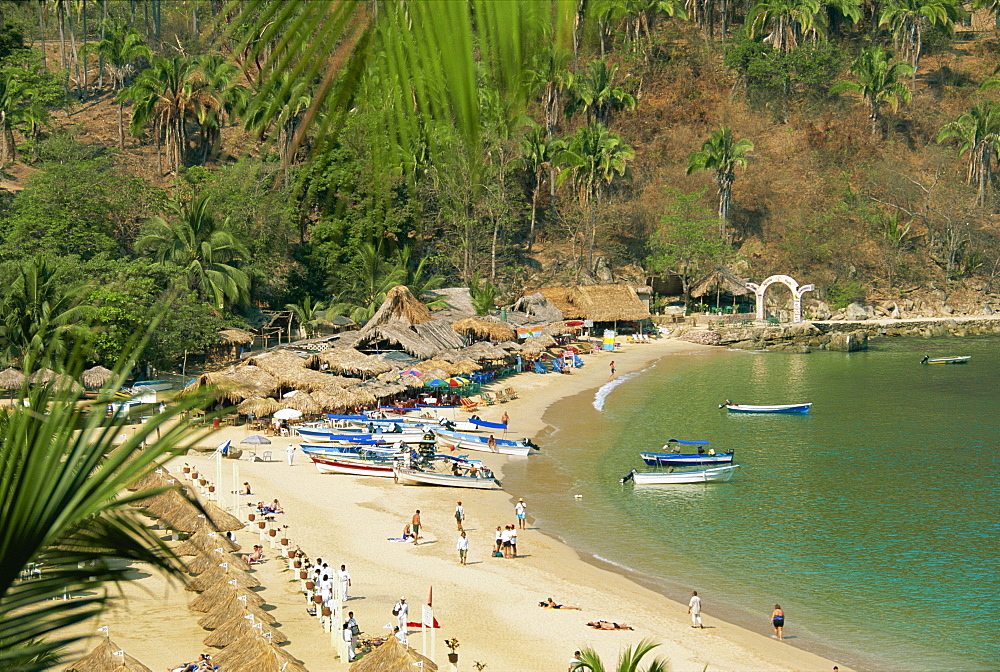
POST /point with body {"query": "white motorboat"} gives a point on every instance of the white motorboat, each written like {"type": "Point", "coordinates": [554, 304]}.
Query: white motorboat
{"type": "Point", "coordinates": [713, 475]}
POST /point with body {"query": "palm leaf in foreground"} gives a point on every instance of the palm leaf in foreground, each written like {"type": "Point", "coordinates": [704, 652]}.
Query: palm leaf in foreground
{"type": "Point", "coordinates": [628, 660]}
{"type": "Point", "coordinates": [64, 521]}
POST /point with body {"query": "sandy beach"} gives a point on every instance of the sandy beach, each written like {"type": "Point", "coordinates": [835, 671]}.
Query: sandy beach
{"type": "Point", "coordinates": [489, 605]}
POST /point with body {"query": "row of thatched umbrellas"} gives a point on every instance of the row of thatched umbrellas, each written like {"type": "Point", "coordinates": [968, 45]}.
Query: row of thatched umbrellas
{"type": "Point", "coordinates": [92, 379]}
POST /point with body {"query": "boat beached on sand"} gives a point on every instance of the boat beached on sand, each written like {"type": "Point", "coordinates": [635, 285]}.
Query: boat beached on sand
{"type": "Point", "coordinates": [453, 440]}
{"type": "Point", "coordinates": [464, 474]}
{"type": "Point", "coordinates": [676, 458]}
{"type": "Point", "coordinates": [671, 477]}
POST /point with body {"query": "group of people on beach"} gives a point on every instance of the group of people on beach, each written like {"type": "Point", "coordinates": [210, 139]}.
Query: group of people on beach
{"type": "Point", "coordinates": [203, 664]}
{"type": "Point", "coordinates": [777, 618]}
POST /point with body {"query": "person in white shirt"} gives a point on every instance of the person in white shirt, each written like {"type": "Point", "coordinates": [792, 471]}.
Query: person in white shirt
{"type": "Point", "coordinates": [290, 450]}
{"type": "Point", "coordinates": [505, 541]}
{"type": "Point", "coordinates": [349, 638]}
{"type": "Point", "coordinates": [400, 635]}
{"type": "Point", "coordinates": [352, 626]}
{"type": "Point", "coordinates": [459, 515]}
{"type": "Point", "coordinates": [326, 589]}
{"type": "Point", "coordinates": [513, 541]}
{"type": "Point", "coordinates": [520, 509]}
{"type": "Point", "coordinates": [345, 581]}
{"type": "Point", "coordinates": [463, 547]}
{"type": "Point", "coordinates": [694, 608]}
{"type": "Point", "coordinates": [574, 661]}
{"type": "Point", "coordinates": [402, 610]}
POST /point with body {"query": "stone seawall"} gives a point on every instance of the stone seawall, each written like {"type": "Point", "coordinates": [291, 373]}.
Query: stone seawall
{"type": "Point", "coordinates": [841, 336]}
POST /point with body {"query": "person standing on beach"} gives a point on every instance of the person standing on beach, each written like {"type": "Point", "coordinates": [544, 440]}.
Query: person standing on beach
{"type": "Point", "coordinates": [462, 546]}
{"type": "Point", "coordinates": [415, 523]}
{"type": "Point", "coordinates": [574, 661]}
{"type": "Point", "coordinates": [505, 541]}
{"type": "Point", "coordinates": [513, 541]}
{"type": "Point", "coordinates": [520, 510]}
{"type": "Point", "coordinates": [402, 610]}
{"type": "Point", "coordinates": [349, 639]}
{"type": "Point", "coordinates": [290, 451]}
{"type": "Point", "coordinates": [778, 622]}
{"type": "Point", "coordinates": [612, 376]}
{"type": "Point", "coordinates": [499, 539]}
{"type": "Point", "coordinates": [694, 608]}
{"type": "Point", "coordinates": [345, 581]}
{"type": "Point", "coordinates": [505, 419]}
{"type": "Point", "coordinates": [459, 515]}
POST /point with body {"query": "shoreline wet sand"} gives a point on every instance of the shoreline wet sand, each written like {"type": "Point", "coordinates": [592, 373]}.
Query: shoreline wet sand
{"type": "Point", "coordinates": [490, 605]}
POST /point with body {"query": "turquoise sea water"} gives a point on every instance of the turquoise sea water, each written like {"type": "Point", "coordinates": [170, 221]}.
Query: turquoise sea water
{"type": "Point", "coordinates": [873, 520]}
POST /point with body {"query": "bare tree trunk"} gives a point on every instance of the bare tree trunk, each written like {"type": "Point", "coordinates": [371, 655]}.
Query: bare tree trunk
{"type": "Point", "coordinates": [76, 54]}
{"type": "Point", "coordinates": [86, 75]}
{"type": "Point", "coordinates": [534, 210]}
{"type": "Point", "coordinates": [62, 42]}
{"type": "Point", "coordinates": [100, 58]}
{"type": "Point", "coordinates": [8, 150]}
{"type": "Point", "coordinates": [121, 125]}
{"type": "Point", "coordinates": [41, 30]}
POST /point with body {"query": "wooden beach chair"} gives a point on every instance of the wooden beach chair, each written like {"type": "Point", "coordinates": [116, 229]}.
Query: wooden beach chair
{"type": "Point", "coordinates": [469, 404]}
{"type": "Point", "coordinates": [511, 393]}
{"type": "Point", "coordinates": [486, 400]}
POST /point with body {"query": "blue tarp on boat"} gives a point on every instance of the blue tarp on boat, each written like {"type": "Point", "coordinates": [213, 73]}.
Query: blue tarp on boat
{"type": "Point", "coordinates": [491, 425]}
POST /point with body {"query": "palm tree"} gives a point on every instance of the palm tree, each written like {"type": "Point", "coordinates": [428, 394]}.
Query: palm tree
{"type": "Point", "coordinates": [907, 20]}
{"type": "Point", "coordinates": [13, 95]}
{"type": "Point", "coordinates": [306, 314]}
{"type": "Point", "coordinates": [220, 100]}
{"type": "Point", "coordinates": [202, 248]}
{"type": "Point", "coordinates": [636, 17]}
{"type": "Point", "coordinates": [978, 134]}
{"type": "Point", "coordinates": [594, 158]}
{"type": "Point", "coordinates": [786, 22]}
{"type": "Point", "coordinates": [878, 83]}
{"type": "Point", "coordinates": [63, 510]}
{"type": "Point", "coordinates": [40, 311]}
{"type": "Point", "coordinates": [722, 154]}
{"type": "Point", "coordinates": [628, 660]}
{"type": "Point", "coordinates": [120, 49]}
{"type": "Point", "coordinates": [368, 287]}
{"type": "Point", "coordinates": [596, 93]}
{"type": "Point", "coordinates": [539, 151]}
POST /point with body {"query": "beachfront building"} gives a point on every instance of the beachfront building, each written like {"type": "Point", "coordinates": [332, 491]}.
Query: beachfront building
{"type": "Point", "coordinates": [600, 307]}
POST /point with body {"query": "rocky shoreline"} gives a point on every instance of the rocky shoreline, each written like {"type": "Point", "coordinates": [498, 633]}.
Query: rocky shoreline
{"type": "Point", "coordinates": [835, 335]}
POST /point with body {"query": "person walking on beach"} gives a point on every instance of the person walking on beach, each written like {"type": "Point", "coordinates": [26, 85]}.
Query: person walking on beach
{"type": "Point", "coordinates": [415, 523]}
{"type": "Point", "coordinates": [459, 515]}
{"type": "Point", "coordinates": [462, 546]}
{"type": "Point", "coordinates": [612, 376]}
{"type": "Point", "coordinates": [694, 608]}
{"type": "Point", "coordinates": [402, 610]}
{"type": "Point", "coordinates": [520, 510]}
{"type": "Point", "coordinates": [778, 622]}
{"type": "Point", "coordinates": [290, 451]}
{"type": "Point", "coordinates": [345, 581]}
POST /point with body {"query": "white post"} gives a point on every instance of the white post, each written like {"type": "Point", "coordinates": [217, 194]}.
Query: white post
{"type": "Point", "coordinates": [218, 478]}
{"type": "Point", "coordinates": [236, 489]}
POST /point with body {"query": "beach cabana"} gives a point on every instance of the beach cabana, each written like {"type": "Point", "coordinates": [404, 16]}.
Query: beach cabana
{"type": "Point", "coordinates": [479, 329]}
{"type": "Point", "coordinates": [96, 377]}
{"type": "Point", "coordinates": [213, 577]}
{"type": "Point", "coordinates": [392, 657]}
{"type": "Point", "coordinates": [205, 541]}
{"type": "Point", "coordinates": [233, 341]}
{"type": "Point", "coordinates": [207, 560]}
{"type": "Point", "coordinates": [107, 657]}
{"type": "Point", "coordinates": [238, 628]}
{"type": "Point", "coordinates": [221, 592]}
{"type": "Point", "coordinates": [231, 608]}
{"type": "Point", "coordinates": [253, 654]}
{"type": "Point", "coordinates": [11, 378]}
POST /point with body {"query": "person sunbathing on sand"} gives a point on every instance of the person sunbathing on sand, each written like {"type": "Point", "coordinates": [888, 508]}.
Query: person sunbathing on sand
{"type": "Point", "coordinates": [551, 604]}
{"type": "Point", "coordinates": [204, 662]}
{"type": "Point", "coordinates": [608, 625]}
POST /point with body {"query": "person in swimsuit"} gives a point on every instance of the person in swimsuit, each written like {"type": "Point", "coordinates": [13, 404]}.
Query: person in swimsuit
{"type": "Point", "coordinates": [778, 621]}
{"type": "Point", "coordinates": [551, 604]}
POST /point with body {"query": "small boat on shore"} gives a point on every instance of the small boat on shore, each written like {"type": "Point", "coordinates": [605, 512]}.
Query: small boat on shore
{"type": "Point", "coordinates": [356, 436]}
{"type": "Point", "coordinates": [453, 440]}
{"type": "Point", "coordinates": [946, 360]}
{"type": "Point", "coordinates": [483, 479]}
{"type": "Point", "coordinates": [362, 465]}
{"type": "Point", "coordinates": [676, 458]}
{"type": "Point", "coordinates": [774, 408]}
{"type": "Point", "coordinates": [713, 475]}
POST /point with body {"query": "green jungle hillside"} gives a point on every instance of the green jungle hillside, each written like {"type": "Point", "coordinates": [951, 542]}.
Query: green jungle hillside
{"type": "Point", "coordinates": [194, 162]}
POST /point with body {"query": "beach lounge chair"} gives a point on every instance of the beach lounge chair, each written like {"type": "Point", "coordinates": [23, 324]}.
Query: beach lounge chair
{"type": "Point", "coordinates": [486, 399]}
{"type": "Point", "coordinates": [511, 393]}
{"type": "Point", "coordinates": [469, 404]}
{"type": "Point", "coordinates": [539, 368]}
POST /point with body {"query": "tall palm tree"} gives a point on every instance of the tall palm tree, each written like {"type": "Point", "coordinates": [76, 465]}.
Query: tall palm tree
{"type": "Point", "coordinates": [220, 100]}
{"type": "Point", "coordinates": [306, 314]}
{"type": "Point", "coordinates": [368, 287]}
{"type": "Point", "coordinates": [722, 154]}
{"type": "Point", "coordinates": [63, 510]}
{"type": "Point", "coordinates": [596, 92]}
{"type": "Point", "coordinates": [204, 250]}
{"type": "Point", "coordinates": [594, 157]}
{"type": "Point", "coordinates": [786, 22]}
{"type": "Point", "coordinates": [38, 310]}
{"type": "Point", "coordinates": [628, 660]}
{"type": "Point", "coordinates": [908, 19]}
{"type": "Point", "coordinates": [539, 151]}
{"type": "Point", "coordinates": [120, 49]}
{"type": "Point", "coordinates": [878, 83]}
{"type": "Point", "coordinates": [978, 134]}
{"type": "Point", "coordinates": [13, 95]}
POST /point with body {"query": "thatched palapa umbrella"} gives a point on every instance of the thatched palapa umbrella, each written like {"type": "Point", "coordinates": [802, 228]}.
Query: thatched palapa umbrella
{"type": "Point", "coordinates": [203, 562]}
{"type": "Point", "coordinates": [205, 541]}
{"type": "Point", "coordinates": [254, 654]}
{"type": "Point", "coordinates": [484, 330]}
{"type": "Point", "coordinates": [238, 628]}
{"type": "Point", "coordinates": [222, 520]}
{"type": "Point", "coordinates": [208, 579]}
{"type": "Point", "coordinates": [301, 401]}
{"type": "Point", "coordinates": [350, 362]}
{"type": "Point", "coordinates": [392, 657]}
{"type": "Point", "coordinates": [157, 478]}
{"type": "Point", "coordinates": [107, 657]}
{"type": "Point", "coordinates": [233, 607]}
{"type": "Point", "coordinates": [428, 365]}
{"type": "Point", "coordinates": [259, 406]}
{"type": "Point", "coordinates": [11, 378]}
{"type": "Point", "coordinates": [211, 597]}
{"type": "Point", "coordinates": [97, 377]}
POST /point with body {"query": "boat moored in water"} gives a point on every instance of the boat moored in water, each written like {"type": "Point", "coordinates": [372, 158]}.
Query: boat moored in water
{"type": "Point", "coordinates": [773, 408]}
{"type": "Point", "coordinates": [964, 359]}
{"type": "Point", "coordinates": [676, 458]}
{"type": "Point", "coordinates": [713, 475]}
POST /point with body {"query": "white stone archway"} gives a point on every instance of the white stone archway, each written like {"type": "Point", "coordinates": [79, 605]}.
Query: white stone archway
{"type": "Point", "coordinates": [789, 282]}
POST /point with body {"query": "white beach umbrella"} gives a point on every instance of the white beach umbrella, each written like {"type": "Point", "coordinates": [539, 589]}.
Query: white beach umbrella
{"type": "Point", "coordinates": [287, 414]}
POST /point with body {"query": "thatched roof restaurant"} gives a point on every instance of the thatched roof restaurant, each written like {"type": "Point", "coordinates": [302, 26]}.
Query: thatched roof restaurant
{"type": "Point", "coordinates": [348, 361]}
{"type": "Point", "coordinates": [484, 330]}
{"type": "Point", "coordinates": [599, 303]}
{"type": "Point", "coordinates": [396, 336]}
{"type": "Point", "coordinates": [107, 657]}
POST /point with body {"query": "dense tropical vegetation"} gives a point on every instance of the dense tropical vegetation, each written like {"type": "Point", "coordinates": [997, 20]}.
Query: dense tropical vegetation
{"type": "Point", "coordinates": [248, 155]}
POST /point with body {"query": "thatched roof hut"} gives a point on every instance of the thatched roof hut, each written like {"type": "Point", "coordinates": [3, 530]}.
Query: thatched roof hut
{"type": "Point", "coordinates": [206, 561]}
{"type": "Point", "coordinates": [96, 377]}
{"type": "Point", "coordinates": [11, 378]}
{"type": "Point", "coordinates": [277, 362]}
{"type": "Point", "coordinates": [429, 365]}
{"type": "Point", "coordinates": [333, 399]}
{"type": "Point", "coordinates": [107, 657]}
{"type": "Point", "coordinates": [301, 378]}
{"type": "Point", "coordinates": [611, 303]}
{"type": "Point", "coordinates": [399, 306]}
{"type": "Point", "coordinates": [41, 376]}
{"type": "Point", "coordinates": [157, 478]}
{"type": "Point", "coordinates": [348, 361]}
{"type": "Point", "coordinates": [536, 342]}
{"type": "Point", "coordinates": [465, 367]}
{"type": "Point", "coordinates": [235, 337]}
{"type": "Point", "coordinates": [440, 335]}
{"type": "Point", "coordinates": [237, 384]}
{"type": "Point", "coordinates": [720, 280]}
{"type": "Point", "coordinates": [396, 335]}
{"type": "Point", "coordinates": [237, 628]}
{"type": "Point", "coordinates": [562, 299]}
{"type": "Point", "coordinates": [208, 599]}
{"type": "Point", "coordinates": [302, 401]}
{"type": "Point", "coordinates": [259, 406]}
{"type": "Point", "coordinates": [213, 577]}
{"type": "Point", "coordinates": [205, 541]}
{"type": "Point", "coordinates": [222, 520]}
{"type": "Point", "coordinates": [537, 305]}
{"type": "Point", "coordinates": [255, 654]}
{"type": "Point", "coordinates": [392, 657]}
{"type": "Point", "coordinates": [484, 330]}
{"type": "Point", "coordinates": [230, 608]}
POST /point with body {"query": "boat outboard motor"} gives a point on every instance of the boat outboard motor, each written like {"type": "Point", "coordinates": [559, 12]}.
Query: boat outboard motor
{"type": "Point", "coordinates": [924, 360]}
{"type": "Point", "coordinates": [628, 476]}
{"type": "Point", "coordinates": [530, 444]}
